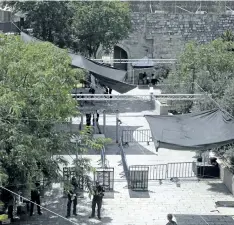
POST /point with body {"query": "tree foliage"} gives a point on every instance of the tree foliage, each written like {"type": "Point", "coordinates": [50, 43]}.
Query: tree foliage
{"type": "Point", "coordinates": [100, 24]}
{"type": "Point", "coordinates": [36, 80]}
{"type": "Point", "coordinates": [209, 65]}
{"type": "Point", "coordinates": [50, 20]}
{"type": "Point", "coordinates": [80, 26]}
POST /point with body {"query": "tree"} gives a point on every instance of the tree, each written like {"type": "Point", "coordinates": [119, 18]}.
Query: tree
{"type": "Point", "coordinates": [80, 26]}
{"type": "Point", "coordinates": [209, 65]}
{"type": "Point", "coordinates": [36, 80]}
{"type": "Point", "coordinates": [100, 24]}
{"type": "Point", "coordinates": [50, 20]}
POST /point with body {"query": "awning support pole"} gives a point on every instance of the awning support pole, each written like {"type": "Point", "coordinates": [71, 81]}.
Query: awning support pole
{"type": "Point", "coordinates": [104, 122]}
{"type": "Point", "coordinates": [117, 126]}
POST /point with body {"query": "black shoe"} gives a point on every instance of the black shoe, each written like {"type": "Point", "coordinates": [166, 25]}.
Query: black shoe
{"type": "Point", "coordinates": [31, 214]}
{"type": "Point", "coordinates": [75, 214]}
{"type": "Point", "coordinates": [91, 217]}
{"type": "Point", "coordinates": [40, 213]}
{"type": "Point", "coordinates": [99, 218]}
{"type": "Point", "coordinates": [67, 216]}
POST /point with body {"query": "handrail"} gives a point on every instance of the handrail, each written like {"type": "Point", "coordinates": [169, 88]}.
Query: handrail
{"type": "Point", "coordinates": [124, 161]}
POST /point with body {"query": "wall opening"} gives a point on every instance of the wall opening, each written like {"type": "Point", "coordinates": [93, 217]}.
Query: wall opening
{"type": "Point", "coordinates": [120, 53]}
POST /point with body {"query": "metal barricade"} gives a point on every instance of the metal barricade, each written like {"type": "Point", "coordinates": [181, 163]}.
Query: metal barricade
{"type": "Point", "coordinates": [129, 136]}
{"type": "Point", "coordinates": [181, 170]}
{"type": "Point", "coordinates": [138, 178]}
{"type": "Point", "coordinates": [124, 162]}
{"type": "Point", "coordinates": [157, 172]}
{"type": "Point", "coordinates": [105, 176]}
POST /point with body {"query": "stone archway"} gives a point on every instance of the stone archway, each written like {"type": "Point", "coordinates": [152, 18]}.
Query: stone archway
{"type": "Point", "coordinates": [120, 53]}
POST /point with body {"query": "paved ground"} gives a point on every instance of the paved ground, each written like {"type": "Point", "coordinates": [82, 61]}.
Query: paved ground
{"type": "Point", "coordinates": [193, 203]}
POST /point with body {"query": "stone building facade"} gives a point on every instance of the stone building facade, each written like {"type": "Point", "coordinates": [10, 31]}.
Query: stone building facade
{"type": "Point", "coordinates": [164, 35]}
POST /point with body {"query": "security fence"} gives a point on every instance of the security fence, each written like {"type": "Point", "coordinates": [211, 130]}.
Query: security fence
{"type": "Point", "coordinates": [139, 175]}
{"type": "Point", "coordinates": [129, 136]}
{"type": "Point", "coordinates": [123, 161]}
{"type": "Point", "coordinates": [138, 178]}
{"type": "Point", "coordinates": [168, 171]}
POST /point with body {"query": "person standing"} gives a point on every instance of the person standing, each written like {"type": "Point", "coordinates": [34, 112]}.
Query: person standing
{"type": "Point", "coordinates": [110, 92]}
{"type": "Point", "coordinates": [98, 193]}
{"type": "Point", "coordinates": [72, 197]}
{"type": "Point", "coordinates": [92, 91]}
{"type": "Point", "coordinates": [170, 221]}
{"type": "Point", "coordinates": [35, 197]}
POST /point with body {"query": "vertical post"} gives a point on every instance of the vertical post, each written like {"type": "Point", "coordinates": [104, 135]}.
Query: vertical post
{"type": "Point", "coordinates": [70, 122]}
{"type": "Point", "coordinates": [104, 122]}
{"type": "Point", "coordinates": [94, 122]}
{"type": "Point", "coordinates": [117, 126]}
{"type": "Point", "coordinates": [81, 122]}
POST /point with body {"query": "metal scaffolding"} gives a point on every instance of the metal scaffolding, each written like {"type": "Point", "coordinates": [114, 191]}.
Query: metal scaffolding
{"type": "Point", "coordinates": [109, 97]}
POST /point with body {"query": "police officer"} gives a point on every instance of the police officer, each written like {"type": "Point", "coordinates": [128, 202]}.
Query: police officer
{"type": "Point", "coordinates": [72, 197]}
{"type": "Point", "coordinates": [35, 197]}
{"type": "Point", "coordinates": [97, 199]}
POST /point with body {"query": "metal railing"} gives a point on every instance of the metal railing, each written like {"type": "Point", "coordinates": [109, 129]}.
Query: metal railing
{"type": "Point", "coordinates": [169, 170]}
{"type": "Point", "coordinates": [108, 97]}
{"type": "Point", "coordinates": [181, 170]}
{"type": "Point", "coordinates": [124, 162]}
{"type": "Point", "coordinates": [129, 136]}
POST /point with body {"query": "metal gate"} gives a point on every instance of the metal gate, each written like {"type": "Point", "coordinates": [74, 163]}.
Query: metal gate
{"type": "Point", "coordinates": [69, 172]}
{"type": "Point", "coordinates": [106, 177]}
{"type": "Point", "coordinates": [138, 178]}
{"type": "Point", "coordinates": [129, 136]}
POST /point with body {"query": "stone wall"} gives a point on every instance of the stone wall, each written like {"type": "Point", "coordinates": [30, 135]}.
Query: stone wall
{"type": "Point", "coordinates": [161, 35]}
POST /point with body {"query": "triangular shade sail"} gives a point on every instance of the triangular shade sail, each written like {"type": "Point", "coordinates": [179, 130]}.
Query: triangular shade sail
{"type": "Point", "coordinates": [118, 86]}
{"type": "Point", "coordinates": [105, 74]}
{"type": "Point", "coordinates": [143, 63]}
{"type": "Point", "coordinates": [193, 131]}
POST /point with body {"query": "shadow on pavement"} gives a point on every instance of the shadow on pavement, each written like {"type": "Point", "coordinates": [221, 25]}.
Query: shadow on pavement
{"type": "Point", "coordinates": [138, 194]}
{"type": "Point", "coordinates": [218, 187]}
{"type": "Point", "coordinates": [54, 202]}
{"type": "Point", "coordinates": [185, 219]}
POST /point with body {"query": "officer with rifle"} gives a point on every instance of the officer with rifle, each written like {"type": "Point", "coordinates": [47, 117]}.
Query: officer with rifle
{"type": "Point", "coordinates": [98, 193]}
{"type": "Point", "coordinates": [72, 197]}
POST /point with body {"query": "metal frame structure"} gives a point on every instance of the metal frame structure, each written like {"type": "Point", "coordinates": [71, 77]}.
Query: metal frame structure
{"type": "Point", "coordinates": [130, 61]}
{"type": "Point", "coordinates": [106, 177]}
{"type": "Point", "coordinates": [129, 136]}
{"type": "Point", "coordinates": [69, 172]}
{"type": "Point", "coordinates": [108, 97]}
{"type": "Point", "coordinates": [138, 178]}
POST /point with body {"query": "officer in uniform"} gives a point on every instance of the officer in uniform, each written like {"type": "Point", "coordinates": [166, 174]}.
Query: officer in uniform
{"type": "Point", "coordinates": [35, 197]}
{"type": "Point", "coordinates": [98, 193]}
{"type": "Point", "coordinates": [72, 197]}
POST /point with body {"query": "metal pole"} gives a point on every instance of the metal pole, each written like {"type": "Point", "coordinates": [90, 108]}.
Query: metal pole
{"type": "Point", "coordinates": [81, 122]}
{"type": "Point", "coordinates": [117, 126]}
{"type": "Point", "coordinates": [104, 122]}
{"type": "Point", "coordinates": [94, 122]}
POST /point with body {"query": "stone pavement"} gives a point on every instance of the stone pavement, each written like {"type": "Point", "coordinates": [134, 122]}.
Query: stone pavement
{"type": "Point", "coordinates": [192, 204]}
